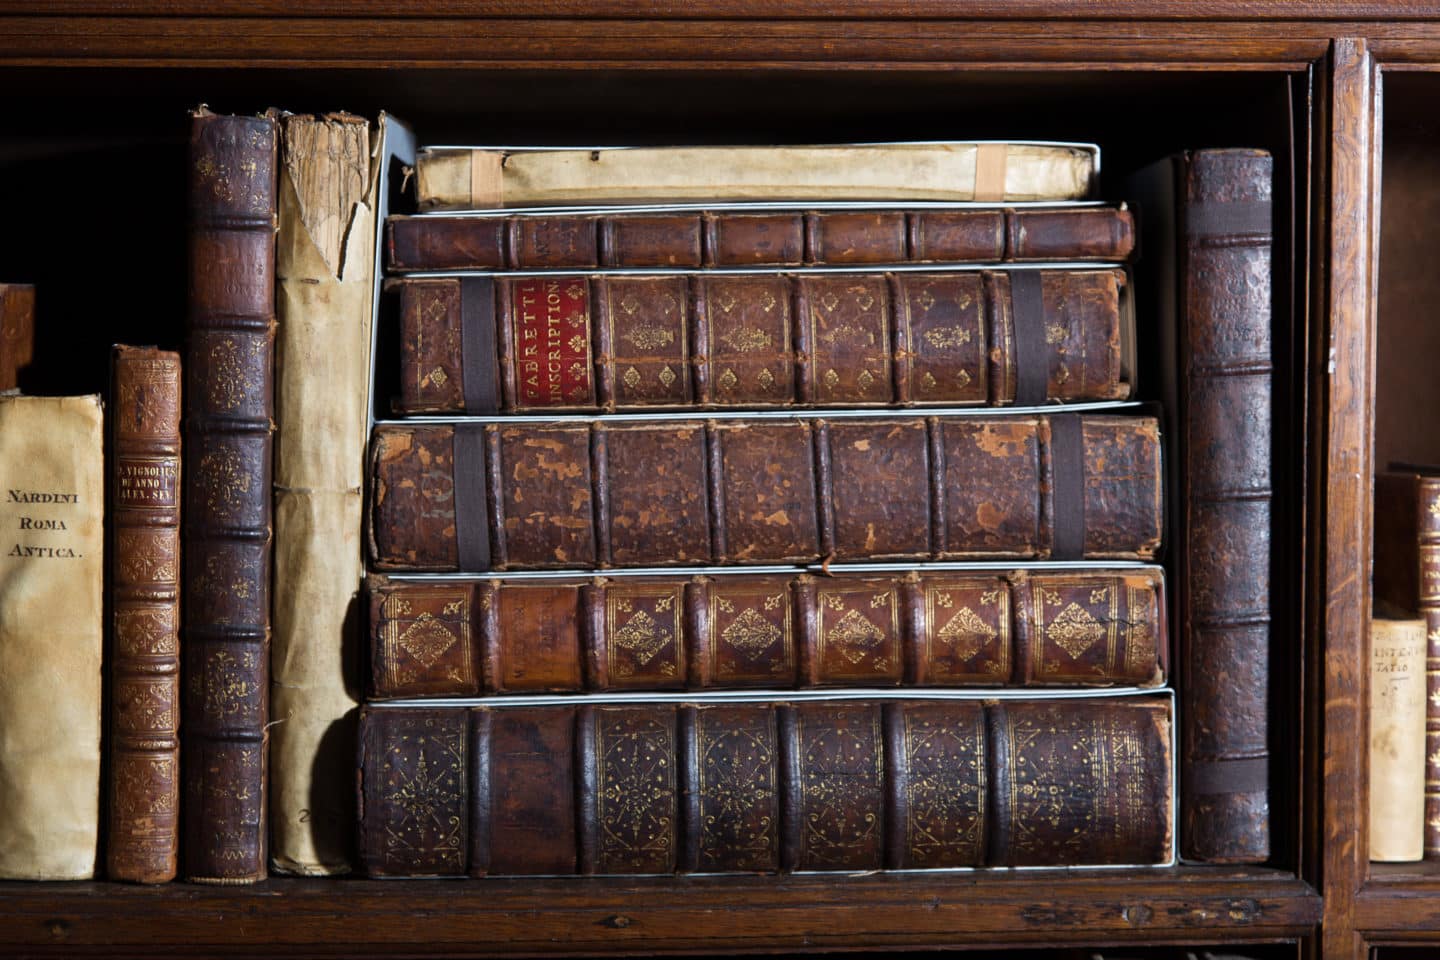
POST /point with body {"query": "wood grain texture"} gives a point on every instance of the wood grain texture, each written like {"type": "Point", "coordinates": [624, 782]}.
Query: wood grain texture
{"type": "Point", "coordinates": [1349, 399]}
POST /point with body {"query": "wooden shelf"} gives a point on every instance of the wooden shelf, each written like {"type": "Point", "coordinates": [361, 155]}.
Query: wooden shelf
{"type": "Point", "coordinates": [1185, 904]}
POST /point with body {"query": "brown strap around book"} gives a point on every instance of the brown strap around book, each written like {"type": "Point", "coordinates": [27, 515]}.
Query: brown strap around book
{"type": "Point", "coordinates": [472, 529]}
{"type": "Point", "coordinates": [1249, 775]}
{"type": "Point", "coordinates": [1228, 219]}
{"type": "Point", "coordinates": [1067, 464]}
{"type": "Point", "coordinates": [1027, 310]}
{"type": "Point", "coordinates": [477, 346]}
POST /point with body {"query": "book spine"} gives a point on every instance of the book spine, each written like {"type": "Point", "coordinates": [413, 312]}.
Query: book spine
{"type": "Point", "coordinates": [585, 495]}
{"type": "Point", "coordinates": [786, 238]}
{"type": "Point", "coordinates": [144, 833]}
{"type": "Point", "coordinates": [226, 526]}
{"type": "Point", "coordinates": [17, 332]}
{"type": "Point", "coordinates": [1398, 734]}
{"type": "Point", "coordinates": [602, 342]}
{"type": "Point", "coordinates": [1034, 629]}
{"type": "Point", "coordinates": [1427, 526]}
{"type": "Point", "coordinates": [324, 270]}
{"type": "Point", "coordinates": [656, 789]}
{"type": "Point", "coordinates": [1225, 497]}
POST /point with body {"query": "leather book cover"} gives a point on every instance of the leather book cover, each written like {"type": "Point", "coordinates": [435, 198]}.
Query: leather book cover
{"type": "Point", "coordinates": [226, 525]}
{"type": "Point", "coordinates": [651, 788]}
{"type": "Point", "coordinates": [583, 494]}
{"type": "Point", "coordinates": [17, 332]}
{"type": "Point", "coordinates": [1210, 216]}
{"type": "Point", "coordinates": [783, 238]}
{"type": "Point", "coordinates": [1110, 761]}
{"type": "Point", "coordinates": [1407, 577]}
{"type": "Point", "coordinates": [462, 638]}
{"type": "Point", "coordinates": [607, 342]}
{"type": "Point", "coordinates": [144, 834]}
{"type": "Point", "coordinates": [52, 635]}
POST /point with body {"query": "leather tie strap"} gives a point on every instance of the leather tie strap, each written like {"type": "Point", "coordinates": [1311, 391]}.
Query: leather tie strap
{"type": "Point", "coordinates": [1228, 219]}
{"type": "Point", "coordinates": [479, 358]}
{"type": "Point", "coordinates": [472, 531]}
{"type": "Point", "coordinates": [1067, 466]}
{"type": "Point", "coordinates": [1248, 775]}
{"type": "Point", "coordinates": [1032, 361]}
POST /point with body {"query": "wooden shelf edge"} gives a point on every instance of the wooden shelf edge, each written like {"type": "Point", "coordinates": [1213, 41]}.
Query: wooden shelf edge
{"type": "Point", "coordinates": [1400, 904]}
{"type": "Point", "coordinates": [668, 915]}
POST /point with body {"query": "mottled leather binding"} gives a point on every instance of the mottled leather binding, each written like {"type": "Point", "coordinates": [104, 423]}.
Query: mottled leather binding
{"type": "Point", "coordinates": [1212, 219]}
{"type": "Point", "coordinates": [464, 638]}
{"type": "Point", "coordinates": [144, 832]}
{"type": "Point", "coordinates": [17, 331]}
{"type": "Point", "coordinates": [785, 238]}
{"type": "Point", "coordinates": [596, 341]}
{"type": "Point", "coordinates": [585, 494]}
{"type": "Point", "coordinates": [1407, 576]}
{"type": "Point", "coordinates": [229, 419]}
{"type": "Point", "coordinates": [764, 787]}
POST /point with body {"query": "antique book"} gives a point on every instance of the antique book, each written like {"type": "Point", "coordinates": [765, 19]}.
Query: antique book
{"type": "Point", "coordinates": [1407, 577]}
{"type": "Point", "coordinates": [582, 494]}
{"type": "Point", "coordinates": [1089, 627]}
{"type": "Point", "coordinates": [325, 264]}
{"type": "Point", "coordinates": [586, 342]}
{"type": "Point", "coordinates": [17, 332]}
{"type": "Point", "coordinates": [764, 787]}
{"type": "Point", "coordinates": [477, 177]}
{"type": "Point", "coordinates": [144, 836]}
{"type": "Point", "coordinates": [1397, 739]}
{"type": "Point", "coordinates": [1212, 237]}
{"type": "Point", "coordinates": [226, 524]}
{"type": "Point", "coordinates": [741, 237]}
{"type": "Point", "coordinates": [52, 495]}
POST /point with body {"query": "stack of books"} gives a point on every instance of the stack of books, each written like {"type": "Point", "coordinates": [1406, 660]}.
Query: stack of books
{"type": "Point", "coordinates": [806, 526]}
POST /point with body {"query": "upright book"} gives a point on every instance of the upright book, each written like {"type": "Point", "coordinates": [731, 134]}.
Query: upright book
{"type": "Point", "coordinates": [1407, 577]}
{"type": "Point", "coordinates": [582, 494]}
{"type": "Point", "coordinates": [1207, 216]}
{"type": "Point", "coordinates": [764, 787]}
{"type": "Point", "coordinates": [620, 341]}
{"type": "Point", "coordinates": [17, 331]}
{"type": "Point", "coordinates": [144, 836]}
{"type": "Point", "coordinates": [1046, 628]}
{"type": "Point", "coordinates": [1397, 739]}
{"type": "Point", "coordinates": [229, 419]}
{"type": "Point", "coordinates": [52, 493]}
{"type": "Point", "coordinates": [758, 235]}
{"type": "Point", "coordinates": [466, 177]}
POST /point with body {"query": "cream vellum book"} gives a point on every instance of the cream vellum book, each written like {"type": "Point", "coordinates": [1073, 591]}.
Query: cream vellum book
{"type": "Point", "coordinates": [1397, 739]}
{"type": "Point", "coordinates": [451, 178]}
{"type": "Point", "coordinates": [52, 483]}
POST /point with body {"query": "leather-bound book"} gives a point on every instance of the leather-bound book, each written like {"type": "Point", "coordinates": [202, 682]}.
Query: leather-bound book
{"type": "Point", "coordinates": [1207, 216]}
{"type": "Point", "coordinates": [52, 629]}
{"type": "Point", "coordinates": [585, 342]}
{"type": "Point", "coordinates": [739, 238]}
{"type": "Point", "coordinates": [144, 836]}
{"type": "Point", "coordinates": [17, 331]}
{"type": "Point", "coordinates": [1407, 577]}
{"type": "Point", "coordinates": [651, 788]}
{"type": "Point", "coordinates": [457, 178]}
{"type": "Point", "coordinates": [229, 418]}
{"type": "Point", "coordinates": [465, 638]}
{"type": "Point", "coordinates": [580, 494]}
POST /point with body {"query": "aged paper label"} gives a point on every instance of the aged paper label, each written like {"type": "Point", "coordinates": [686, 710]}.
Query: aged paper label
{"type": "Point", "coordinates": [51, 635]}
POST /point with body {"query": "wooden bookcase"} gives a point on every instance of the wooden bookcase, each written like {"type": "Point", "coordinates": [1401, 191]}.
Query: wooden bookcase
{"type": "Point", "coordinates": [92, 155]}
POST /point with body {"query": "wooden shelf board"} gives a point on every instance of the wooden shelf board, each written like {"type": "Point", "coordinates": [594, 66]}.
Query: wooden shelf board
{"type": "Point", "coordinates": [660, 915]}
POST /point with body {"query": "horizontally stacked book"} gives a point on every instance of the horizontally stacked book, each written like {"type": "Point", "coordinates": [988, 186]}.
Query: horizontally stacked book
{"type": "Point", "coordinates": [896, 627]}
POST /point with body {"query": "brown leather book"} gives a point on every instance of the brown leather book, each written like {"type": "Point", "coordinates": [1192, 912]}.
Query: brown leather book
{"type": "Point", "coordinates": [229, 419]}
{"type": "Point", "coordinates": [473, 497]}
{"type": "Point", "coordinates": [737, 238]}
{"type": "Point", "coordinates": [1407, 576]}
{"type": "Point", "coordinates": [940, 628]}
{"type": "Point", "coordinates": [764, 787]}
{"type": "Point", "coordinates": [144, 834]}
{"type": "Point", "coordinates": [586, 342]}
{"type": "Point", "coordinates": [17, 332]}
{"type": "Point", "coordinates": [1212, 220]}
